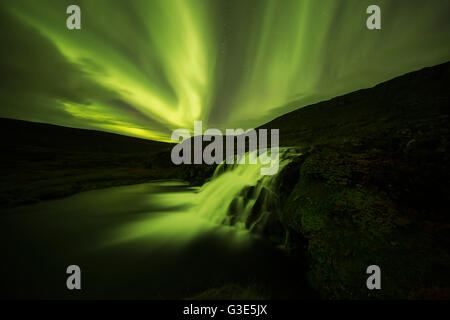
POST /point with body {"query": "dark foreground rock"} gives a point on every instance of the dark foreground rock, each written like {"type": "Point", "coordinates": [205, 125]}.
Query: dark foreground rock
{"type": "Point", "coordinates": [375, 190]}
{"type": "Point", "coordinates": [353, 211]}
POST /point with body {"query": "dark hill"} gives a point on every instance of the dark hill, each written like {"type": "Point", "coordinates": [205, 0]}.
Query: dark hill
{"type": "Point", "coordinates": [373, 188]}
{"type": "Point", "coordinates": [415, 97]}
{"type": "Point", "coordinates": [25, 133]}
{"type": "Point", "coordinates": [41, 161]}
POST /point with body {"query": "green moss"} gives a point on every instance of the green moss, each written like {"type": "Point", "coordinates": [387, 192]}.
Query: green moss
{"type": "Point", "coordinates": [350, 224]}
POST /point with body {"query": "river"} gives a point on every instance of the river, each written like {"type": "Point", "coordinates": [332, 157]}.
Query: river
{"type": "Point", "coordinates": [158, 240]}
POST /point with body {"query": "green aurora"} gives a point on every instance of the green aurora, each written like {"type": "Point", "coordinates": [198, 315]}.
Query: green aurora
{"type": "Point", "coordinates": [145, 68]}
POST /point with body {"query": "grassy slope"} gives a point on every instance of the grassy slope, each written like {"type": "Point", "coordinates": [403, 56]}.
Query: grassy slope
{"type": "Point", "coordinates": [374, 188]}
{"type": "Point", "coordinates": [42, 161]}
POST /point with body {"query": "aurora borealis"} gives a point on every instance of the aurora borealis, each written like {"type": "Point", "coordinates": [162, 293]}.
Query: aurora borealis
{"type": "Point", "coordinates": [145, 68]}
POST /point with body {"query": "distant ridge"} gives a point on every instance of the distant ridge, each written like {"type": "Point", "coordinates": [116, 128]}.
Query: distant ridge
{"type": "Point", "coordinates": [25, 133]}
{"type": "Point", "coordinates": [409, 98]}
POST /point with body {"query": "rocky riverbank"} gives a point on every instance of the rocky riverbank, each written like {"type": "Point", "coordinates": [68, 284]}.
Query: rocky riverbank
{"type": "Point", "coordinates": [371, 188]}
{"type": "Point", "coordinates": [374, 190]}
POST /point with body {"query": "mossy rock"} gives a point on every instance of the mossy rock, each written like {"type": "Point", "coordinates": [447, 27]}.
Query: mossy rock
{"type": "Point", "coordinates": [350, 224]}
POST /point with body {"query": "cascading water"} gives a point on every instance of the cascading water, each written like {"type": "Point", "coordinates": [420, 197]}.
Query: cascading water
{"type": "Point", "coordinates": [240, 196]}
{"type": "Point", "coordinates": [160, 239]}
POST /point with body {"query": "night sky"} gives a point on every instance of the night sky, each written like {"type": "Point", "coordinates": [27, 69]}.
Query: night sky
{"type": "Point", "coordinates": [144, 68]}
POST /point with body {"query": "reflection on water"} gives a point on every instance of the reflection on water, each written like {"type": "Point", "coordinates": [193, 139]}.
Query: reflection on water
{"type": "Point", "coordinates": [178, 217]}
{"type": "Point", "coordinates": [174, 221]}
{"type": "Point", "coordinates": [153, 240]}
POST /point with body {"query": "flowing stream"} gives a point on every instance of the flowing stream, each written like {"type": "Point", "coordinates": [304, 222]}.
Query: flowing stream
{"type": "Point", "coordinates": [156, 240]}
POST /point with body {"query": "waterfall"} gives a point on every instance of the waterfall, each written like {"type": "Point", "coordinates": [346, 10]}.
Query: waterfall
{"type": "Point", "coordinates": [238, 195]}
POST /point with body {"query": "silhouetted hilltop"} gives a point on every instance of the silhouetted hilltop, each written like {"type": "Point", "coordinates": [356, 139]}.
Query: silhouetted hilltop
{"type": "Point", "coordinates": [43, 161]}
{"type": "Point", "coordinates": [373, 187]}
{"type": "Point", "coordinates": [25, 133]}
{"type": "Point", "coordinates": [413, 97]}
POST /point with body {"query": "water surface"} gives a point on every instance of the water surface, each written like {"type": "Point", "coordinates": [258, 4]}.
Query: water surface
{"type": "Point", "coordinates": [153, 241]}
